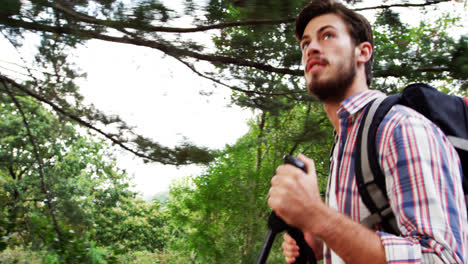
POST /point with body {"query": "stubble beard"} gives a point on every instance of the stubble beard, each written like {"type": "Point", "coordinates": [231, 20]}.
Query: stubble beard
{"type": "Point", "coordinates": [334, 88]}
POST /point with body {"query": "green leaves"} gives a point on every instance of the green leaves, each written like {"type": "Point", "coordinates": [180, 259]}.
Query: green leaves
{"type": "Point", "coordinates": [459, 63]}
{"type": "Point", "coordinates": [422, 53]}
{"type": "Point", "coordinates": [75, 196]}
{"type": "Point", "coordinates": [147, 11]}
{"type": "Point", "coordinates": [131, 225]}
{"type": "Point", "coordinates": [221, 215]}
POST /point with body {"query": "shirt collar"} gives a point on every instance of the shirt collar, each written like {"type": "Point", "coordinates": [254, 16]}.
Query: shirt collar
{"type": "Point", "coordinates": [353, 104]}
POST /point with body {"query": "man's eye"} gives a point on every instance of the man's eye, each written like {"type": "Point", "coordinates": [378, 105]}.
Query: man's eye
{"type": "Point", "coordinates": [327, 36]}
{"type": "Point", "coordinates": [305, 45]}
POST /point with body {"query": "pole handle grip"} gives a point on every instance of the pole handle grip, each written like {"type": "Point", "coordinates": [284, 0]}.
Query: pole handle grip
{"type": "Point", "coordinates": [305, 252]}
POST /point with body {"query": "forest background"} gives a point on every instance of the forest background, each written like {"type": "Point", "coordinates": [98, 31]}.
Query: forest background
{"type": "Point", "coordinates": [64, 198]}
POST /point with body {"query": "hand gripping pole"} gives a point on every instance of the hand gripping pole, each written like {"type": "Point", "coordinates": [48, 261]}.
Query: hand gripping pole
{"type": "Point", "coordinates": [277, 225]}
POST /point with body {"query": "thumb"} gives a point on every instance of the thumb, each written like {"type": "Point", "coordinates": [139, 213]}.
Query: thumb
{"type": "Point", "coordinates": [309, 163]}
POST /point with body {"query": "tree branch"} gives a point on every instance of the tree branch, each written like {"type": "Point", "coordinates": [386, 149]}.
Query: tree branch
{"type": "Point", "coordinates": [401, 5]}
{"type": "Point", "coordinates": [393, 73]}
{"type": "Point", "coordinates": [32, 140]}
{"type": "Point", "coordinates": [171, 155]}
{"type": "Point", "coordinates": [169, 50]}
{"type": "Point", "coordinates": [149, 28]}
{"type": "Point", "coordinates": [178, 53]}
{"type": "Point", "coordinates": [248, 92]}
{"type": "Point", "coordinates": [12, 172]}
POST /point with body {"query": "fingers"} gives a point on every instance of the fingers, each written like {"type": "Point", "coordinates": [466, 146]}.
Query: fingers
{"type": "Point", "coordinates": [290, 249]}
{"type": "Point", "coordinates": [293, 172]}
{"type": "Point", "coordinates": [290, 191]}
{"type": "Point", "coordinates": [288, 239]}
{"type": "Point", "coordinates": [289, 260]}
{"type": "Point", "coordinates": [286, 176]}
{"type": "Point", "coordinates": [282, 184]}
{"type": "Point", "coordinates": [309, 163]}
{"type": "Point", "coordinates": [294, 195]}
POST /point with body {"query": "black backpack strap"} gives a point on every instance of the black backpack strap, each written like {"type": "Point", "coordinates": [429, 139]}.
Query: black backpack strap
{"type": "Point", "coordinates": [369, 176]}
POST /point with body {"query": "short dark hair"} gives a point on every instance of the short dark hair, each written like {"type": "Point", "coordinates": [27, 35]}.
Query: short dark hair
{"type": "Point", "coordinates": [359, 28]}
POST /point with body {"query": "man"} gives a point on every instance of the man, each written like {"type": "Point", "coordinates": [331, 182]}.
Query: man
{"type": "Point", "coordinates": [422, 170]}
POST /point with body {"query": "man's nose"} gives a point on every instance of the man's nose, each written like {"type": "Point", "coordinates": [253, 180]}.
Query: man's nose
{"type": "Point", "coordinates": [313, 48]}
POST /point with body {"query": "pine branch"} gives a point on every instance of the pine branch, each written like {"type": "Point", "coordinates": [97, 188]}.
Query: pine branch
{"type": "Point", "coordinates": [29, 70]}
{"type": "Point", "coordinates": [176, 52]}
{"type": "Point", "coordinates": [179, 156]}
{"type": "Point", "coordinates": [149, 28]}
{"type": "Point", "coordinates": [401, 5]}
{"type": "Point", "coordinates": [167, 49]}
{"type": "Point", "coordinates": [248, 92]}
{"type": "Point", "coordinates": [393, 73]}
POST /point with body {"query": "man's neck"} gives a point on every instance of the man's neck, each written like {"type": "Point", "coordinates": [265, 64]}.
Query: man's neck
{"type": "Point", "coordinates": [331, 108]}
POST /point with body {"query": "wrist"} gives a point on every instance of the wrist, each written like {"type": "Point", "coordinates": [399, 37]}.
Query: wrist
{"type": "Point", "coordinates": [318, 220]}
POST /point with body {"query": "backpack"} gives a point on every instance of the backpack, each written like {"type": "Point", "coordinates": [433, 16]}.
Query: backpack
{"type": "Point", "coordinates": [449, 113]}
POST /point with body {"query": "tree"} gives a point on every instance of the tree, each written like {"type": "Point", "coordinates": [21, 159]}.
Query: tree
{"type": "Point", "coordinates": [222, 216]}
{"type": "Point", "coordinates": [130, 224]}
{"type": "Point", "coordinates": [59, 189]}
{"type": "Point", "coordinates": [255, 51]}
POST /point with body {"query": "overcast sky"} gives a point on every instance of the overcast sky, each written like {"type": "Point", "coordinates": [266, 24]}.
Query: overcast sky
{"type": "Point", "coordinates": [158, 95]}
{"type": "Point", "coordinates": [162, 98]}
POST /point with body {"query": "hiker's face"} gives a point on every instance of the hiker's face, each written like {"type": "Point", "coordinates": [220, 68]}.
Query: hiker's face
{"type": "Point", "coordinates": [328, 57]}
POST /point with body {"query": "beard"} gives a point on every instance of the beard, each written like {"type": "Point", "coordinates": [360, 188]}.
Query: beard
{"type": "Point", "coordinates": [334, 88]}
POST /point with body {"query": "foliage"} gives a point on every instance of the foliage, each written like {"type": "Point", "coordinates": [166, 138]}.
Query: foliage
{"type": "Point", "coordinates": [424, 53]}
{"type": "Point", "coordinates": [459, 63]}
{"type": "Point", "coordinates": [222, 218]}
{"type": "Point", "coordinates": [98, 255]}
{"type": "Point", "coordinates": [130, 225]}
{"type": "Point", "coordinates": [64, 200]}
{"type": "Point", "coordinates": [20, 256]}
{"type": "Point", "coordinates": [61, 192]}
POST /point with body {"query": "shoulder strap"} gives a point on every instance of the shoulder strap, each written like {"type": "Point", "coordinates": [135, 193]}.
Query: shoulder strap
{"type": "Point", "coordinates": [458, 142]}
{"type": "Point", "coordinates": [369, 176]}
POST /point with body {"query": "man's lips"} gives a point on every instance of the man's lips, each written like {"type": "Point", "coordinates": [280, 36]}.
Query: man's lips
{"type": "Point", "coordinates": [315, 65]}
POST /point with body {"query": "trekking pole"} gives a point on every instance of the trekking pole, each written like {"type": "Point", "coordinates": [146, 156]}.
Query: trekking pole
{"type": "Point", "coordinates": [277, 225]}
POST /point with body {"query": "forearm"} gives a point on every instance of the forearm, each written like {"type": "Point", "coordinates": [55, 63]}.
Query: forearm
{"type": "Point", "coordinates": [353, 242]}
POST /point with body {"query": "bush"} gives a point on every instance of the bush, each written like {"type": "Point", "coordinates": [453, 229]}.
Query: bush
{"type": "Point", "coordinates": [145, 257]}
{"type": "Point", "coordinates": [96, 255]}
{"type": "Point", "coordinates": [19, 255]}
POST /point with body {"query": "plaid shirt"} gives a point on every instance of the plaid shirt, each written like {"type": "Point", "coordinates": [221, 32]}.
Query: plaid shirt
{"type": "Point", "coordinates": [423, 178]}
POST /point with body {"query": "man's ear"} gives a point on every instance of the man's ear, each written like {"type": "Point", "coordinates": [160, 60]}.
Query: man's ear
{"type": "Point", "coordinates": [363, 52]}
